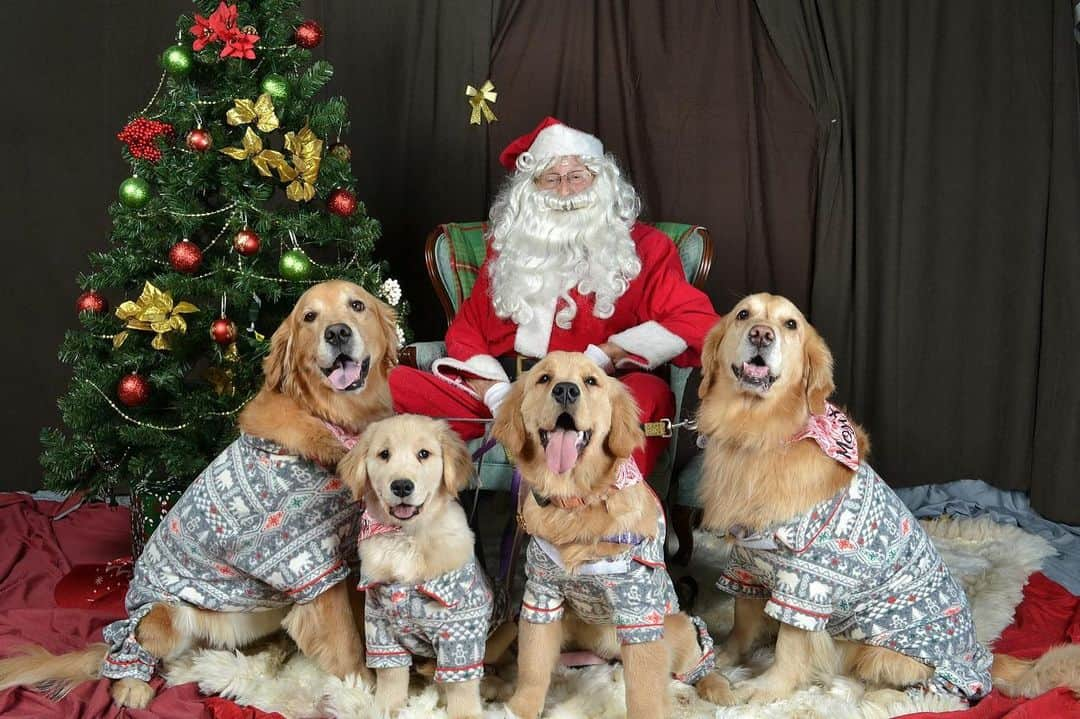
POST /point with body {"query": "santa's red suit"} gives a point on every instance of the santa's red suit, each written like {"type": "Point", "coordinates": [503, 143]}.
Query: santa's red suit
{"type": "Point", "coordinates": [660, 318]}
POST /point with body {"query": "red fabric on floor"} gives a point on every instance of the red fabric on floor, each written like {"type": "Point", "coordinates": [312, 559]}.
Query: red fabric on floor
{"type": "Point", "coordinates": [1048, 615]}
{"type": "Point", "coordinates": [38, 552]}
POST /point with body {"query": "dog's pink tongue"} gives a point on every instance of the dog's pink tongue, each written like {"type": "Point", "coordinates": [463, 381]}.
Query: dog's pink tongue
{"type": "Point", "coordinates": [404, 511]}
{"type": "Point", "coordinates": [345, 375]}
{"type": "Point", "coordinates": [753, 370]}
{"type": "Point", "coordinates": [561, 450]}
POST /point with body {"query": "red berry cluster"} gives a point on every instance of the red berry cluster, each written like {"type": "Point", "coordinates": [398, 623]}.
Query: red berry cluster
{"type": "Point", "coordinates": [139, 135]}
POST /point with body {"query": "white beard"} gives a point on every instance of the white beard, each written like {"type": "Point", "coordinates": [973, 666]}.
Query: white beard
{"type": "Point", "coordinates": [547, 245]}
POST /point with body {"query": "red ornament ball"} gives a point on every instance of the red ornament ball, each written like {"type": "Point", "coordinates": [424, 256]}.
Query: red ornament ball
{"type": "Point", "coordinates": [247, 242]}
{"type": "Point", "coordinates": [223, 331]}
{"type": "Point", "coordinates": [199, 140]}
{"type": "Point", "coordinates": [341, 202]}
{"type": "Point", "coordinates": [308, 34]}
{"type": "Point", "coordinates": [92, 301]}
{"type": "Point", "coordinates": [185, 256]}
{"type": "Point", "coordinates": [133, 390]}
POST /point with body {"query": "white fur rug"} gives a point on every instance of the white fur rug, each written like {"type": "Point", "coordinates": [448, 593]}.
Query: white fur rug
{"type": "Point", "coordinates": [992, 561]}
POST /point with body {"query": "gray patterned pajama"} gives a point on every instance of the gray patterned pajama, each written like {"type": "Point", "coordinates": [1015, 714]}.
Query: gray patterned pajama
{"type": "Point", "coordinates": [861, 567]}
{"type": "Point", "coordinates": [631, 590]}
{"type": "Point", "coordinates": [446, 618]}
{"type": "Point", "coordinates": [257, 529]}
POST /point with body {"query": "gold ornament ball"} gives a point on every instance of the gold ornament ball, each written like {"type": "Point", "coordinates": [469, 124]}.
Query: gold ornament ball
{"type": "Point", "coordinates": [294, 265]}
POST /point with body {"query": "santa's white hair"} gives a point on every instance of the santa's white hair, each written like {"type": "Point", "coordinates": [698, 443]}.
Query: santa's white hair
{"type": "Point", "coordinates": [547, 245]}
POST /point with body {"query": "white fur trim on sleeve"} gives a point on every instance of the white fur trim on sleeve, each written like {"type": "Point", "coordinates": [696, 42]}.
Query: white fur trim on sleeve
{"type": "Point", "coordinates": [482, 366]}
{"type": "Point", "coordinates": [651, 342]}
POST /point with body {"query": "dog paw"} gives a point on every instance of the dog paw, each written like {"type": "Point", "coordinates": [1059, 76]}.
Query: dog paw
{"type": "Point", "coordinates": [132, 693]}
{"type": "Point", "coordinates": [495, 689]}
{"type": "Point", "coordinates": [761, 690]}
{"type": "Point", "coordinates": [715, 688]}
{"type": "Point", "coordinates": [518, 708]}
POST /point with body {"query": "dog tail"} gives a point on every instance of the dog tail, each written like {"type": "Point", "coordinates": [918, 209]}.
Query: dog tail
{"type": "Point", "coordinates": [53, 674]}
{"type": "Point", "coordinates": [1059, 667]}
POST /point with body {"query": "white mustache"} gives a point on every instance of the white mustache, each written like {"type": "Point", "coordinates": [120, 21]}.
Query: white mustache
{"type": "Point", "coordinates": [550, 201]}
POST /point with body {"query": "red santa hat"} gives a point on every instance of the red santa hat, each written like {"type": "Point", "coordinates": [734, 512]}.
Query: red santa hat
{"type": "Point", "coordinates": [551, 138]}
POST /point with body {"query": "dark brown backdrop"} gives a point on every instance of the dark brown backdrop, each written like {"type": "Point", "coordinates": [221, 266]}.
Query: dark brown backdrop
{"type": "Point", "coordinates": [907, 172]}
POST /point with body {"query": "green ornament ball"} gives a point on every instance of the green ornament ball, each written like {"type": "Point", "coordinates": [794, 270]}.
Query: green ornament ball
{"type": "Point", "coordinates": [134, 192]}
{"type": "Point", "coordinates": [295, 266]}
{"type": "Point", "coordinates": [276, 86]}
{"type": "Point", "coordinates": [177, 60]}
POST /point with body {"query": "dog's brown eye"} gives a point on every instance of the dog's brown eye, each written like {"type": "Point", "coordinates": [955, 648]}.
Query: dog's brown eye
{"type": "Point", "coordinates": [743, 314]}
{"type": "Point", "coordinates": [791, 324]}
{"type": "Point", "coordinates": [544, 379]}
{"type": "Point", "coordinates": [423, 454]}
{"type": "Point", "coordinates": [591, 381]}
{"type": "Point", "coordinates": [357, 305]}
{"type": "Point", "coordinates": [384, 455]}
{"type": "Point", "coordinates": [310, 316]}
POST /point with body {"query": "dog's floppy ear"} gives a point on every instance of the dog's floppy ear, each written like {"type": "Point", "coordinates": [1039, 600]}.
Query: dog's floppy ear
{"type": "Point", "coordinates": [708, 354]}
{"type": "Point", "coordinates": [352, 469]}
{"type": "Point", "coordinates": [278, 364]}
{"type": "Point", "coordinates": [509, 428]}
{"type": "Point", "coordinates": [457, 462]}
{"type": "Point", "coordinates": [388, 325]}
{"type": "Point", "coordinates": [626, 434]}
{"type": "Point", "coordinates": [817, 376]}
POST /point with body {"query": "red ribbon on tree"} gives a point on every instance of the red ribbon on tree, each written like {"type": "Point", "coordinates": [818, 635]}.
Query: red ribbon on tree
{"type": "Point", "coordinates": [221, 27]}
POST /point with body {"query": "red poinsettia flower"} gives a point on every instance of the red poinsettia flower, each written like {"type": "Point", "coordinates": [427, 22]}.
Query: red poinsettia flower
{"type": "Point", "coordinates": [240, 45]}
{"type": "Point", "coordinates": [204, 34]}
{"type": "Point", "coordinates": [223, 20]}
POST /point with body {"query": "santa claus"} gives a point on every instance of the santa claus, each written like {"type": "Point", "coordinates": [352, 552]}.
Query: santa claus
{"type": "Point", "coordinates": [568, 267]}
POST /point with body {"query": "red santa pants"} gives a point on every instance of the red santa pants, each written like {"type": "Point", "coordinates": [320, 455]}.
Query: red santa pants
{"type": "Point", "coordinates": [418, 392]}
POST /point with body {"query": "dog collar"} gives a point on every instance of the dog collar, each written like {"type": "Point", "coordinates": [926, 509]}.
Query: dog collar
{"type": "Point", "coordinates": [835, 435]}
{"type": "Point", "coordinates": [371, 527]}
{"type": "Point", "coordinates": [343, 435]}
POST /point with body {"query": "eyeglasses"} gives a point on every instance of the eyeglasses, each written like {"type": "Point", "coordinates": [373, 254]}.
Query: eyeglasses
{"type": "Point", "coordinates": [576, 179]}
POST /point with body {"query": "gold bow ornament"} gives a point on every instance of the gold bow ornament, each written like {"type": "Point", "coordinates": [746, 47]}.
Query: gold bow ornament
{"type": "Point", "coordinates": [264, 160]}
{"type": "Point", "coordinates": [155, 312]}
{"type": "Point", "coordinates": [306, 150]}
{"type": "Point", "coordinates": [479, 100]}
{"type": "Point", "coordinates": [261, 111]}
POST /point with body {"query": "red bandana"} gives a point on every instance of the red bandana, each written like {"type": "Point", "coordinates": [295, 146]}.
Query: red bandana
{"type": "Point", "coordinates": [834, 434]}
{"type": "Point", "coordinates": [343, 435]}
{"type": "Point", "coordinates": [371, 527]}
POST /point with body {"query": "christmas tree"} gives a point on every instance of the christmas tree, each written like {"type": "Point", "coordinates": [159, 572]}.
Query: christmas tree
{"type": "Point", "coordinates": [236, 204]}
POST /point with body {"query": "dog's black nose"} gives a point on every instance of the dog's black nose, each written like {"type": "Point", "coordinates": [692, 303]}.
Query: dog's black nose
{"type": "Point", "coordinates": [565, 393]}
{"type": "Point", "coordinates": [401, 487]}
{"type": "Point", "coordinates": [761, 336]}
{"type": "Point", "coordinates": [337, 335]}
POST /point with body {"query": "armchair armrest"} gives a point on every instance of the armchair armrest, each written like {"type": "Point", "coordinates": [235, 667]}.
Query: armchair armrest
{"type": "Point", "coordinates": [421, 355]}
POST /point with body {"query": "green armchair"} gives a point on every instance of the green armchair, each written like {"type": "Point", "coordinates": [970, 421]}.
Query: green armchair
{"type": "Point", "coordinates": [454, 253]}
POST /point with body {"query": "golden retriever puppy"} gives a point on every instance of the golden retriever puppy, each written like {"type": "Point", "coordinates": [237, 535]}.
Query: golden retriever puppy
{"type": "Point", "coordinates": [595, 570]}
{"type": "Point", "coordinates": [819, 542]}
{"type": "Point", "coordinates": [426, 595]}
{"type": "Point", "coordinates": [262, 539]}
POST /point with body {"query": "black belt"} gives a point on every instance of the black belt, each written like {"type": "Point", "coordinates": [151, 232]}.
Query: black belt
{"type": "Point", "coordinates": [517, 365]}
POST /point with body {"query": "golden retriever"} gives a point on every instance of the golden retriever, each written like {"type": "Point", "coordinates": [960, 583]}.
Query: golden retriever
{"type": "Point", "coordinates": [407, 472]}
{"type": "Point", "coordinates": [571, 431]}
{"type": "Point", "coordinates": [327, 365]}
{"type": "Point", "coordinates": [766, 372]}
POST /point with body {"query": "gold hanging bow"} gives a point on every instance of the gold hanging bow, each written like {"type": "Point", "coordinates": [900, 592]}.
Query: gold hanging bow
{"type": "Point", "coordinates": [479, 100]}
{"type": "Point", "coordinates": [306, 150]}
{"type": "Point", "coordinates": [264, 160]}
{"type": "Point", "coordinates": [155, 312]}
{"type": "Point", "coordinates": [261, 111]}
